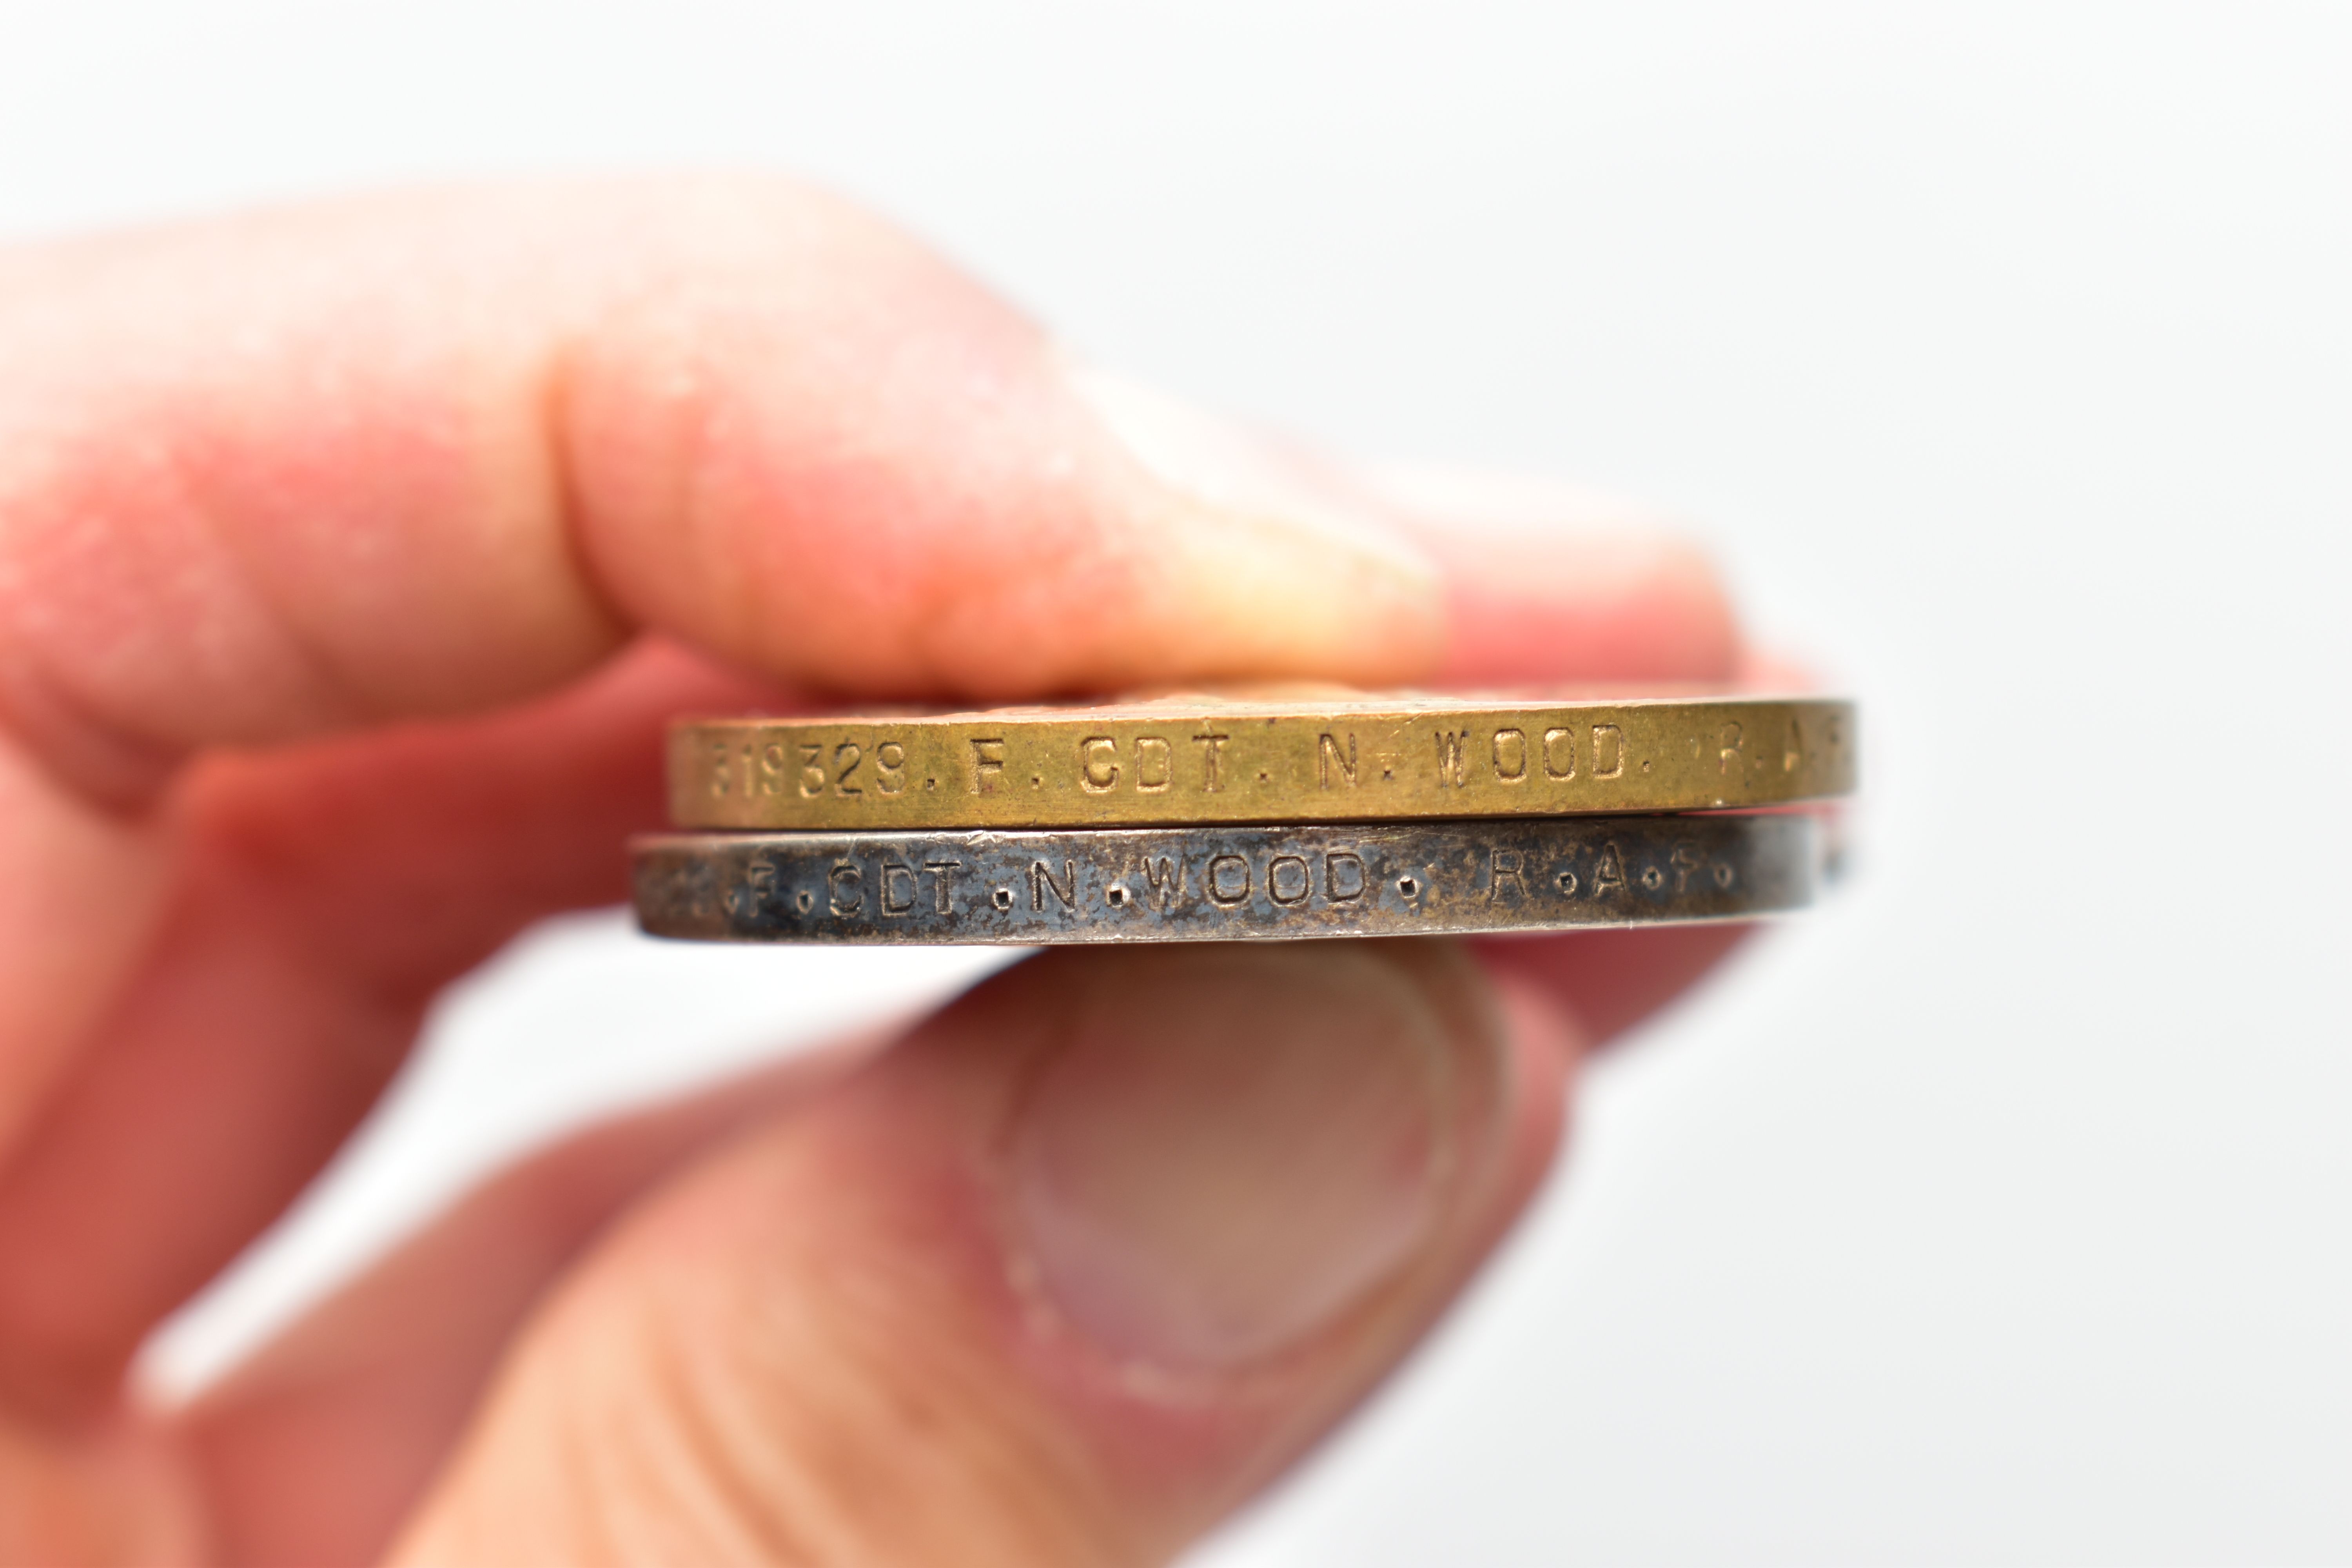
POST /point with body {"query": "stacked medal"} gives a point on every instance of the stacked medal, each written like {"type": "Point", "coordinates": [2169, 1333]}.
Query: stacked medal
{"type": "Point", "coordinates": [1283, 815]}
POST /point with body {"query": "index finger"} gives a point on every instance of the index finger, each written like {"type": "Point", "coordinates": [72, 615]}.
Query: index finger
{"type": "Point", "coordinates": [430, 452]}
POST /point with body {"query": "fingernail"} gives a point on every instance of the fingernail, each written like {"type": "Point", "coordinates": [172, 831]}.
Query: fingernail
{"type": "Point", "coordinates": [1246, 474]}
{"type": "Point", "coordinates": [1232, 1147]}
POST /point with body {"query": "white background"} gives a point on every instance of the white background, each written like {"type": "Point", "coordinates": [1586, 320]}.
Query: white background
{"type": "Point", "coordinates": [2001, 1212]}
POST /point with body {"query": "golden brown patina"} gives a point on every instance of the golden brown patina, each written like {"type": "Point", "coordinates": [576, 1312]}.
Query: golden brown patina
{"type": "Point", "coordinates": [1280, 758]}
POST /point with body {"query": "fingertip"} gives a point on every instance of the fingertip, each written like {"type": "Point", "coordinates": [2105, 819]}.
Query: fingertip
{"type": "Point", "coordinates": [1551, 1036]}
{"type": "Point", "coordinates": [1314, 578]}
{"type": "Point", "coordinates": [1777, 669]}
{"type": "Point", "coordinates": [844, 459]}
{"type": "Point", "coordinates": [1606, 981]}
{"type": "Point", "coordinates": [1547, 581]}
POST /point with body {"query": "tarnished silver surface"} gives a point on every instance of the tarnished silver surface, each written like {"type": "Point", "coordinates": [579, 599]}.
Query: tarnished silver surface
{"type": "Point", "coordinates": [1144, 884]}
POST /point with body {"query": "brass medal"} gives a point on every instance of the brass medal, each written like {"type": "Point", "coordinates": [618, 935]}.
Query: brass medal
{"type": "Point", "coordinates": [1348, 757]}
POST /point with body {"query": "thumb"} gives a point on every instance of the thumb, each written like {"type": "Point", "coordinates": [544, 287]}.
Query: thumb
{"type": "Point", "coordinates": [1063, 1278]}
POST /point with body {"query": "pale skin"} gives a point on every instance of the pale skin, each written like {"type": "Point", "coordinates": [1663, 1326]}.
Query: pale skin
{"type": "Point", "coordinates": [351, 559]}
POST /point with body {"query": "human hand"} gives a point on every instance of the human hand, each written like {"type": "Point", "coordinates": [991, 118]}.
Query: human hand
{"type": "Point", "coordinates": [351, 562]}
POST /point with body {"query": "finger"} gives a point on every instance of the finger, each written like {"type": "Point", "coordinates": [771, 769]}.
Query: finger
{"type": "Point", "coordinates": [91, 1497]}
{"type": "Point", "coordinates": [313, 1450]}
{"type": "Point", "coordinates": [1063, 1278]}
{"type": "Point", "coordinates": [430, 452]}
{"type": "Point", "coordinates": [310, 1452]}
{"type": "Point", "coordinates": [1611, 981]}
{"type": "Point", "coordinates": [285, 985]}
{"type": "Point", "coordinates": [81, 893]}
{"type": "Point", "coordinates": [1549, 584]}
